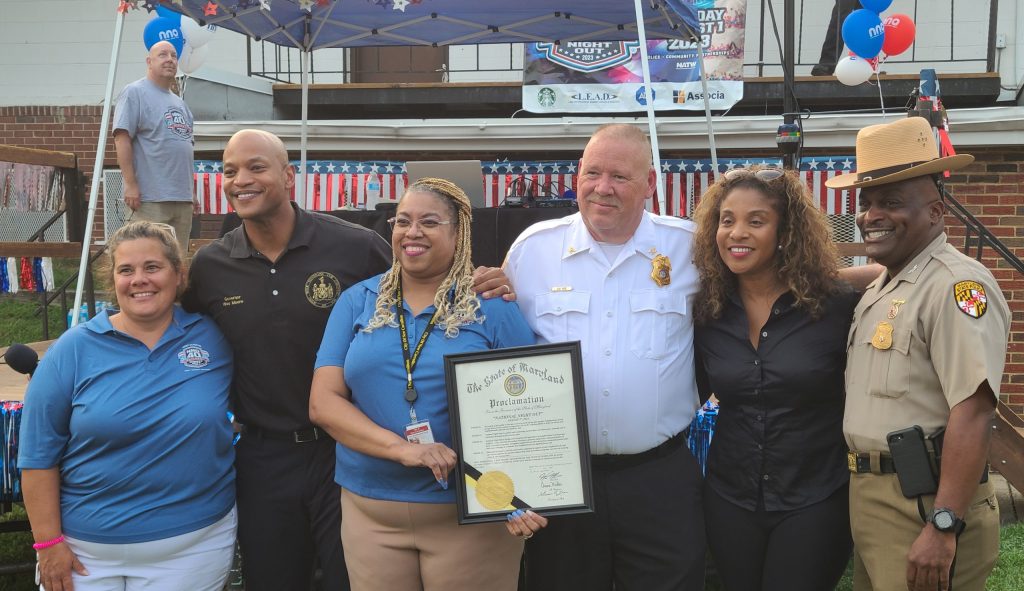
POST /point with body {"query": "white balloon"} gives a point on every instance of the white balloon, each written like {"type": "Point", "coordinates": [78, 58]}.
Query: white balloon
{"type": "Point", "coordinates": [195, 34]}
{"type": "Point", "coordinates": [851, 70]}
{"type": "Point", "coordinates": [192, 58]}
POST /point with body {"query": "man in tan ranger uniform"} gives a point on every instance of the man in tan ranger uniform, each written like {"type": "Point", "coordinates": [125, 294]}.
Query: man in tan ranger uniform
{"type": "Point", "coordinates": [926, 348]}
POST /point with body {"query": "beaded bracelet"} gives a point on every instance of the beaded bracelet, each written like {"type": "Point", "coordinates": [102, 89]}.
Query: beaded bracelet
{"type": "Point", "coordinates": [48, 543]}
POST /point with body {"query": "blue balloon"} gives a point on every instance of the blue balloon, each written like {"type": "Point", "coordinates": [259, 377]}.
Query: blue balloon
{"type": "Point", "coordinates": [876, 6]}
{"type": "Point", "coordinates": [864, 33]}
{"type": "Point", "coordinates": [163, 29]}
{"type": "Point", "coordinates": [163, 11]}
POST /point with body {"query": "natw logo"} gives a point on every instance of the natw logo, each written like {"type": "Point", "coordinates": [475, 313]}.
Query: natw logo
{"type": "Point", "coordinates": [589, 56]}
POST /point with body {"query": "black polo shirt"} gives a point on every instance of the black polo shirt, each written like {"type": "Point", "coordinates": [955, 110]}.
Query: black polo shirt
{"type": "Point", "coordinates": [778, 441]}
{"type": "Point", "coordinates": [274, 314]}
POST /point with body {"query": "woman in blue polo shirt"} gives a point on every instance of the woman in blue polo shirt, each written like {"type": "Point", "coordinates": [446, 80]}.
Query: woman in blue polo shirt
{"type": "Point", "coordinates": [399, 526]}
{"type": "Point", "coordinates": [126, 450]}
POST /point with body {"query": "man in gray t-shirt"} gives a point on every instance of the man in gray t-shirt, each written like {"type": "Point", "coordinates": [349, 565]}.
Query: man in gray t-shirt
{"type": "Point", "coordinates": [153, 138]}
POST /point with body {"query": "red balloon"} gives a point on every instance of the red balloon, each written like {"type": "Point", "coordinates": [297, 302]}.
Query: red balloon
{"type": "Point", "coordinates": [899, 34]}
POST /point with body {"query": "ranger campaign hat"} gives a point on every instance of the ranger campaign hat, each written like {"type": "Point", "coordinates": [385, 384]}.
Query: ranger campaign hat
{"type": "Point", "coordinates": [893, 152]}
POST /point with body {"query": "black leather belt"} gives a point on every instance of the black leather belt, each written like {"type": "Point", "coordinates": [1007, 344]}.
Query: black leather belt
{"type": "Point", "coordinates": [617, 461]}
{"type": "Point", "coordinates": [860, 463]}
{"type": "Point", "coordinates": [300, 436]}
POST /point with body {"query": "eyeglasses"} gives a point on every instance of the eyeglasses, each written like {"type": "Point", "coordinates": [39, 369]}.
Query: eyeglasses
{"type": "Point", "coordinates": [427, 225]}
{"type": "Point", "coordinates": [765, 175]}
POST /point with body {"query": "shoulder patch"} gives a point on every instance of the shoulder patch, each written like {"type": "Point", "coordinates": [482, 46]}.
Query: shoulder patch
{"type": "Point", "coordinates": [970, 298]}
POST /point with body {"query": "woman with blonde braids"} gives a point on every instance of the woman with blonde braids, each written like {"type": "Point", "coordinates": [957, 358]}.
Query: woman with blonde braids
{"type": "Point", "coordinates": [379, 390]}
{"type": "Point", "coordinates": [770, 343]}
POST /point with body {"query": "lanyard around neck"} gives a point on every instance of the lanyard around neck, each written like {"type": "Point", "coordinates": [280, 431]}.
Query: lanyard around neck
{"type": "Point", "coordinates": [410, 360]}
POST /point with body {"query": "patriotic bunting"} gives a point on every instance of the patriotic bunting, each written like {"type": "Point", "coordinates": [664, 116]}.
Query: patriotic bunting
{"type": "Point", "coordinates": [336, 184]}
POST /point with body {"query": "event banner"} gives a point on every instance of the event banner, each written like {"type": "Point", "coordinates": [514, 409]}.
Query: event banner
{"type": "Point", "coordinates": [606, 76]}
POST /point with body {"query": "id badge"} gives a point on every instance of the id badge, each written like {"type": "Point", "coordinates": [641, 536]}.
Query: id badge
{"type": "Point", "coordinates": [419, 432]}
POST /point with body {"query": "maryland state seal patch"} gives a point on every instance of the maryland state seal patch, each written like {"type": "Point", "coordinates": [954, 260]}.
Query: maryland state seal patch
{"type": "Point", "coordinates": [970, 298]}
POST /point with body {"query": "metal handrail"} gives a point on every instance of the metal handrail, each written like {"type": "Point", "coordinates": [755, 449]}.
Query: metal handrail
{"type": "Point", "coordinates": [977, 235]}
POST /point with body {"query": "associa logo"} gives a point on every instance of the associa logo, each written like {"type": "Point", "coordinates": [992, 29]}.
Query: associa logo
{"type": "Point", "coordinates": [681, 97]}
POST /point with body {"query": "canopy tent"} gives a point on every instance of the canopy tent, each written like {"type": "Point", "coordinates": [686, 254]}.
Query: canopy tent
{"type": "Point", "coordinates": [310, 24]}
{"type": "Point", "coordinates": [314, 24]}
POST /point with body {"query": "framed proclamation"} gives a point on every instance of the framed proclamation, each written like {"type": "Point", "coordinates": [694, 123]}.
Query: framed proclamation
{"type": "Point", "coordinates": [519, 427]}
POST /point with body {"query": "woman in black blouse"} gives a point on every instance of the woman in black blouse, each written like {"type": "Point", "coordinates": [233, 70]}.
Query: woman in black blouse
{"type": "Point", "coordinates": [771, 345]}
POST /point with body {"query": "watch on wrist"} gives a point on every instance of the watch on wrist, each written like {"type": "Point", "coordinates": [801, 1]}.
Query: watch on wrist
{"type": "Point", "coordinates": [946, 521]}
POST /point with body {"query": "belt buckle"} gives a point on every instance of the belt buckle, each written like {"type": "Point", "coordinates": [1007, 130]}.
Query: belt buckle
{"type": "Point", "coordinates": [851, 461]}
{"type": "Point", "coordinates": [301, 437]}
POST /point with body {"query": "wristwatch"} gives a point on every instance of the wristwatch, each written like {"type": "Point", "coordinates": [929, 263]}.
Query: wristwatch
{"type": "Point", "coordinates": [946, 521]}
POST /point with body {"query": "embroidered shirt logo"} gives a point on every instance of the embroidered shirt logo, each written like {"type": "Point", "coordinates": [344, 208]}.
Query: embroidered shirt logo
{"type": "Point", "coordinates": [176, 122]}
{"type": "Point", "coordinates": [322, 289]}
{"type": "Point", "coordinates": [194, 356]}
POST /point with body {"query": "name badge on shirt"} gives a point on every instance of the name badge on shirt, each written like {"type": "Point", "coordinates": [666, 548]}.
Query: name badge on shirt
{"type": "Point", "coordinates": [419, 432]}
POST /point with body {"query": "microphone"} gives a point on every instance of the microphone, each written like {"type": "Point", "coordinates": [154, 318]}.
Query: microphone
{"type": "Point", "coordinates": [22, 359]}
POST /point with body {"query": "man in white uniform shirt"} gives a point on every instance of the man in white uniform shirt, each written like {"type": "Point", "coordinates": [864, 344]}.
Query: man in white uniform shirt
{"type": "Point", "coordinates": [621, 281]}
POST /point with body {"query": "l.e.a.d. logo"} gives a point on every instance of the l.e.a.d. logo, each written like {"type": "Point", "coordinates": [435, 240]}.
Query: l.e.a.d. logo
{"type": "Point", "coordinates": [589, 56]}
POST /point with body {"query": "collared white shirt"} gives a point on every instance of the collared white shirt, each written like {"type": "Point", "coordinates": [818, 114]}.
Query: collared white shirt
{"type": "Point", "coordinates": [636, 336]}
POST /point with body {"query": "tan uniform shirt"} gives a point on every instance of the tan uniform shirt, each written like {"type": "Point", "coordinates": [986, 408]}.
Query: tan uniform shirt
{"type": "Point", "coordinates": [921, 343]}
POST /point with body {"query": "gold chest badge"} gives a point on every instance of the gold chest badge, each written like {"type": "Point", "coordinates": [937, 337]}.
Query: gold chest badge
{"type": "Point", "coordinates": [661, 270]}
{"type": "Point", "coordinates": [882, 339]}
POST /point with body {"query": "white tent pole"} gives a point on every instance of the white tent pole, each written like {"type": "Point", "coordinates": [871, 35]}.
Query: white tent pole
{"type": "Point", "coordinates": [649, 93]}
{"type": "Point", "coordinates": [707, 106]}
{"type": "Point", "coordinates": [97, 169]}
{"type": "Point", "coordinates": [300, 194]}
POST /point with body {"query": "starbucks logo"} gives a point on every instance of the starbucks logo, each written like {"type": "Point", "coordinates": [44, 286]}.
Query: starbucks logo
{"type": "Point", "coordinates": [546, 97]}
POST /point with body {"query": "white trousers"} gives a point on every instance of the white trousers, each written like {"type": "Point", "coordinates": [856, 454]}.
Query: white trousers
{"type": "Point", "coordinates": [197, 561]}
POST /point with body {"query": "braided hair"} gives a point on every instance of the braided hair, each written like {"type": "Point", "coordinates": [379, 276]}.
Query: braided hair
{"type": "Point", "coordinates": [455, 300]}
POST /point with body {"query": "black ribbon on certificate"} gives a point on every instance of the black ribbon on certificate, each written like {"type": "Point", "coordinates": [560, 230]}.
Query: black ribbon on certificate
{"type": "Point", "coordinates": [476, 474]}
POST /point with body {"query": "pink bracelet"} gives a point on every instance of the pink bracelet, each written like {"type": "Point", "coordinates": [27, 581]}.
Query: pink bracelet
{"type": "Point", "coordinates": [48, 543]}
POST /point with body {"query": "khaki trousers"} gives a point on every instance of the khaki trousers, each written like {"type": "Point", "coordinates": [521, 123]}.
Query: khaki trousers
{"type": "Point", "coordinates": [397, 546]}
{"type": "Point", "coordinates": [177, 214]}
{"type": "Point", "coordinates": [885, 524]}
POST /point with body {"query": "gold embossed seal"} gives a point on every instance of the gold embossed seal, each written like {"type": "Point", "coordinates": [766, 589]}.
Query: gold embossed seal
{"type": "Point", "coordinates": [661, 270]}
{"type": "Point", "coordinates": [494, 490]}
{"type": "Point", "coordinates": [882, 338]}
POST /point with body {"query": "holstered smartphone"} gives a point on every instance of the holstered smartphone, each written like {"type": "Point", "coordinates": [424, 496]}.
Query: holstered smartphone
{"type": "Point", "coordinates": [910, 458]}
{"type": "Point", "coordinates": [937, 439]}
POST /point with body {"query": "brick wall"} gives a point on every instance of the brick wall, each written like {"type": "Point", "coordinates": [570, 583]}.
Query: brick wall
{"type": "Point", "coordinates": [992, 188]}
{"type": "Point", "coordinates": [64, 129]}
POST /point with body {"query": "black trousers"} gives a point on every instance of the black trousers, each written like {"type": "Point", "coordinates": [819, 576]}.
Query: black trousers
{"type": "Point", "coordinates": [804, 549]}
{"type": "Point", "coordinates": [289, 514]}
{"type": "Point", "coordinates": [832, 46]}
{"type": "Point", "coordinates": [647, 533]}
